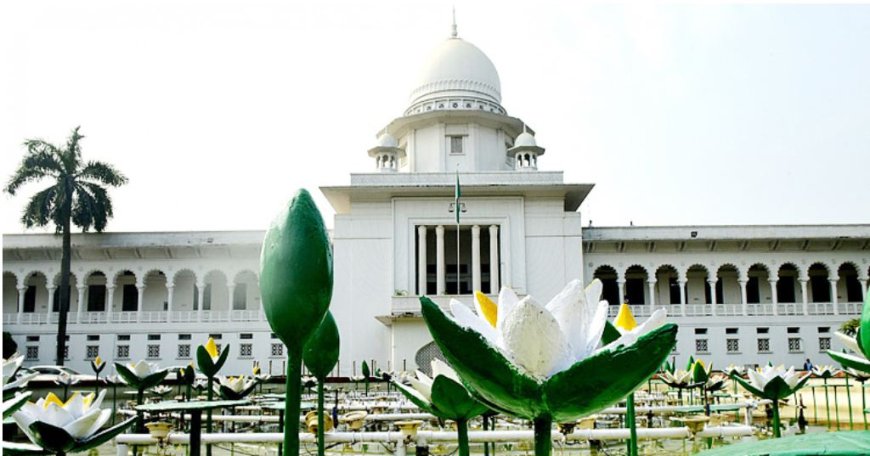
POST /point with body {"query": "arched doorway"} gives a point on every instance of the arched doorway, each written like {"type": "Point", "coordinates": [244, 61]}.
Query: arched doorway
{"type": "Point", "coordinates": [607, 276]}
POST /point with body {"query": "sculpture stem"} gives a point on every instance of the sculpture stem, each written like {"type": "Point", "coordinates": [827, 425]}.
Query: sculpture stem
{"type": "Point", "coordinates": [849, 400]}
{"type": "Point", "coordinates": [776, 431]}
{"type": "Point", "coordinates": [321, 445]}
{"type": "Point", "coordinates": [462, 431]}
{"type": "Point", "coordinates": [208, 413]}
{"type": "Point", "coordinates": [293, 391]}
{"type": "Point", "coordinates": [632, 425]}
{"type": "Point", "coordinates": [140, 422]}
{"type": "Point", "coordinates": [827, 402]}
{"type": "Point", "coordinates": [543, 435]}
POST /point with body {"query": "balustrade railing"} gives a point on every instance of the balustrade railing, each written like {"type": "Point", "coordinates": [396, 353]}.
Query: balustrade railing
{"type": "Point", "coordinates": [185, 316]}
{"type": "Point", "coordinates": [411, 304]}
{"type": "Point", "coordinates": [759, 309]}
{"type": "Point", "coordinates": [820, 308]}
{"type": "Point", "coordinates": [245, 315]}
{"type": "Point", "coordinates": [729, 310]}
{"type": "Point", "coordinates": [93, 317]}
{"type": "Point", "coordinates": [699, 310]}
{"type": "Point", "coordinates": [790, 308]}
{"type": "Point", "coordinates": [849, 308]}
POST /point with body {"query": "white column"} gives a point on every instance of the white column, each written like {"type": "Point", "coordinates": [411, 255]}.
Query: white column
{"type": "Point", "coordinates": [231, 289]}
{"type": "Point", "coordinates": [864, 284]}
{"type": "Point", "coordinates": [475, 258]}
{"type": "Point", "coordinates": [682, 283]}
{"type": "Point", "coordinates": [494, 265]}
{"type": "Point", "coordinates": [170, 292]}
{"type": "Point", "coordinates": [833, 283]}
{"type": "Point", "coordinates": [804, 298]}
{"type": "Point", "coordinates": [743, 299]}
{"type": "Point", "coordinates": [50, 304]}
{"type": "Point", "coordinates": [712, 284]}
{"type": "Point", "coordinates": [200, 290]}
{"type": "Point", "coordinates": [21, 292]}
{"type": "Point", "coordinates": [81, 304]}
{"type": "Point", "coordinates": [651, 284]}
{"type": "Point", "coordinates": [620, 283]}
{"type": "Point", "coordinates": [441, 289]}
{"type": "Point", "coordinates": [421, 260]}
{"type": "Point", "coordinates": [140, 288]}
{"type": "Point", "coordinates": [774, 299]}
{"type": "Point", "coordinates": [110, 301]}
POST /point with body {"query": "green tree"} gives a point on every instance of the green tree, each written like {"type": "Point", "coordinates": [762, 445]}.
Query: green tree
{"type": "Point", "coordinates": [77, 196]}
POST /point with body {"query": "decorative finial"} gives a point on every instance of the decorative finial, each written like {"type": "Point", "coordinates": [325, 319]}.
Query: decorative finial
{"type": "Point", "coordinates": [454, 33]}
{"type": "Point", "coordinates": [525, 130]}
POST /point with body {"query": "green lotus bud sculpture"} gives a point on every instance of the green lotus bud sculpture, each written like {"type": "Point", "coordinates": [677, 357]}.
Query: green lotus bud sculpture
{"type": "Point", "coordinates": [141, 376]}
{"type": "Point", "coordinates": [774, 383]}
{"type": "Point", "coordinates": [296, 288]}
{"type": "Point", "coordinates": [366, 374]}
{"type": "Point", "coordinates": [546, 363]}
{"type": "Point", "coordinates": [210, 360]}
{"type": "Point", "coordinates": [235, 388]}
{"type": "Point", "coordinates": [444, 396]}
{"type": "Point", "coordinates": [860, 344]}
{"type": "Point", "coordinates": [321, 356]}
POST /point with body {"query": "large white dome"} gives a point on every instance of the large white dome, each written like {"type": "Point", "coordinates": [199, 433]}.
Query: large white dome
{"type": "Point", "coordinates": [457, 75]}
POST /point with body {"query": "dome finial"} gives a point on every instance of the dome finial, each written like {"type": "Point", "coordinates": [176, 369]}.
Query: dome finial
{"type": "Point", "coordinates": [453, 32]}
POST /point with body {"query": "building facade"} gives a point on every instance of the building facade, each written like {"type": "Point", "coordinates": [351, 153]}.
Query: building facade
{"type": "Point", "coordinates": [741, 294]}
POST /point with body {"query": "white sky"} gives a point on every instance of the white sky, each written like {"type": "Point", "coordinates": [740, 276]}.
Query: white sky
{"type": "Point", "coordinates": [217, 111]}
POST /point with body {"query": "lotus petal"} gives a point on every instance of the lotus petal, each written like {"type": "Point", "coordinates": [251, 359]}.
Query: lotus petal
{"type": "Point", "coordinates": [87, 424]}
{"type": "Point", "coordinates": [441, 368]}
{"type": "Point", "coordinates": [534, 339]}
{"type": "Point", "coordinates": [466, 318]}
{"type": "Point", "coordinates": [849, 342]}
{"type": "Point", "coordinates": [507, 300]}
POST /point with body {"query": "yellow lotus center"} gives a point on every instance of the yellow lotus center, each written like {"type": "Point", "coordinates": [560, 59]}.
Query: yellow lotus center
{"type": "Point", "coordinates": [489, 308]}
{"type": "Point", "coordinates": [98, 361]}
{"type": "Point", "coordinates": [52, 398]}
{"type": "Point", "coordinates": [211, 348]}
{"type": "Point", "coordinates": [624, 319]}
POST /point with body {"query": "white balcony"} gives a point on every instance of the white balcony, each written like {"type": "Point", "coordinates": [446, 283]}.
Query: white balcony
{"type": "Point", "coordinates": [409, 307]}
{"type": "Point", "coordinates": [123, 318]}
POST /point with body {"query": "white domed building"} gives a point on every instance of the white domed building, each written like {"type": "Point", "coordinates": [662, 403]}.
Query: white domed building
{"type": "Point", "coordinates": [747, 294]}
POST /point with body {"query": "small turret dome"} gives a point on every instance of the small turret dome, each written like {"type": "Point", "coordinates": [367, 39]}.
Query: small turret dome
{"type": "Point", "coordinates": [525, 139]}
{"type": "Point", "coordinates": [387, 140]}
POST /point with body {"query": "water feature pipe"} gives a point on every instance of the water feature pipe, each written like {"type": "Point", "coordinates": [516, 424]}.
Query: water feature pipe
{"type": "Point", "coordinates": [401, 439]}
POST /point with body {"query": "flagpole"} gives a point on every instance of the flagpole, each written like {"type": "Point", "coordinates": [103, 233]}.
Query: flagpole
{"type": "Point", "coordinates": [457, 209]}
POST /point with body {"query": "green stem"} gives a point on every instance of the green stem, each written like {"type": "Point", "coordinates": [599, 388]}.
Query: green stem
{"type": "Point", "coordinates": [827, 402]}
{"type": "Point", "coordinates": [864, 405]}
{"type": "Point", "coordinates": [140, 425]}
{"type": "Point", "coordinates": [291, 403]}
{"type": "Point", "coordinates": [849, 400]}
{"type": "Point", "coordinates": [462, 431]}
{"type": "Point", "coordinates": [485, 428]}
{"type": "Point", "coordinates": [114, 401]}
{"type": "Point", "coordinates": [776, 431]}
{"type": "Point", "coordinates": [321, 445]}
{"type": "Point", "coordinates": [208, 423]}
{"type": "Point", "coordinates": [543, 435]}
{"type": "Point", "coordinates": [632, 425]}
{"type": "Point", "coordinates": [815, 406]}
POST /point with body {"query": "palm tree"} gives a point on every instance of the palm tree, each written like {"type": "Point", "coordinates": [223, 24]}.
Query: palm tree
{"type": "Point", "coordinates": [77, 196]}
